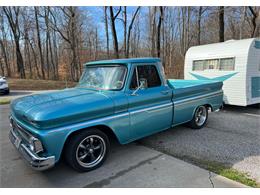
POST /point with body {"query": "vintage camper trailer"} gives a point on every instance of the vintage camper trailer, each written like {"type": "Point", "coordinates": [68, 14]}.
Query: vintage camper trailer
{"type": "Point", "coordinates": [235, 62]}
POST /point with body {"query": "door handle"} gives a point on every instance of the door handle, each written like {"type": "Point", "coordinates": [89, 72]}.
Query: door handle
{"type": "Point", "coordinates": [165, 92]}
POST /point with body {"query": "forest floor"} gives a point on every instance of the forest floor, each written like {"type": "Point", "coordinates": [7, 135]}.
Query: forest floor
{"type": "Point", "coordinates": [21, 87]}
{"type": "Point", "coordinates": [30, 84]}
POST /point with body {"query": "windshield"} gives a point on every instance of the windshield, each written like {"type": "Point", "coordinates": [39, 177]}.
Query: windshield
{"type": "Point", "coordinates": [106, 77]}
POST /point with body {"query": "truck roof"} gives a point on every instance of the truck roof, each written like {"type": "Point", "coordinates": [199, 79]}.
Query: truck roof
{"type": "Point", "coordinates": [124, 61]}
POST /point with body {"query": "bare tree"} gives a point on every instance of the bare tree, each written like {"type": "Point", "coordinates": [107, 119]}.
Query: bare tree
{"type": "Point", "coordinates": [27, 54]}
{"type": "Point", "coordinates": [113, 29]}
{"type": "Point", "coordinates": [129, 31]}
{"type": "Point", "coordinates": [184, 29]}
{"type": "Point", "coordinates": [13, 15]}
{"type": "Point", "coordinates": [68, 29]}
{"type": "Point", "coordinates": [255, 21]}
{"type": "Point", "coordinates": [3, 46]}
{"type": "Point", "coordinates": [36, 13]}
{"type": "Point", "coordinates": [54, 41]}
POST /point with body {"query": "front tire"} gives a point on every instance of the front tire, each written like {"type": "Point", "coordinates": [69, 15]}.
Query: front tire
{"type": "Point", "coordinates": [200, 118]}
{"type": "Point", "coordinates": [87, 150]}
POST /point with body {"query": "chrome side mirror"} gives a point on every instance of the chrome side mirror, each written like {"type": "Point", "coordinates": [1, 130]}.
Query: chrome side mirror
{"type": "Point", "coordinates": [142, 85]}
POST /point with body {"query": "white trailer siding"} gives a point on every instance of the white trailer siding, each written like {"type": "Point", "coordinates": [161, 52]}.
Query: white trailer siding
{"type": "Point", "coordinates": [253, 72]}
{"type": "Point", "coordinates": [237, 82]}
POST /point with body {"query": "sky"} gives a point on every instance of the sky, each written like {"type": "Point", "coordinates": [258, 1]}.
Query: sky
{"type": "Point", "coordinates": [97, 14]}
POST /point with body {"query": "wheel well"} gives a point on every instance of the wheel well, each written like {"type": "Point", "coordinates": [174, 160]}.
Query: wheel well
{"type": "Point", "coordinates": [209, 107]}
{"type": "Point", "coordinates": [105, 129]}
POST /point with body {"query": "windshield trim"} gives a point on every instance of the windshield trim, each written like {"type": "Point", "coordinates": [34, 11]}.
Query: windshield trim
{"type": "Point", "coordinates": [107, 65]}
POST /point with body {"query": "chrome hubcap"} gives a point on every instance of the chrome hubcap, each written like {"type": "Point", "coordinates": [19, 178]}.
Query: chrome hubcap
{"type": "Point", "coordinates": [200, 115]}
{"type": "Point", "coordinates": [91, 151]}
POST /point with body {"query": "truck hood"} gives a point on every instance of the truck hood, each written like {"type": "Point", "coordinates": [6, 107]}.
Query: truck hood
{"type": "Point", "coordinates": [53, 109]}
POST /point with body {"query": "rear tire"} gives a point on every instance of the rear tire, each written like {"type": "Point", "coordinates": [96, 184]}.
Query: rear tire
{"type": "Point", "coordinates": [200, 118]}
{"type": "Point", "coordinates": [87, 150]}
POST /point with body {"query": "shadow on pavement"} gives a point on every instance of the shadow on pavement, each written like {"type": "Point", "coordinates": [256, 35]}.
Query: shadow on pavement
{"type": "Point", "coordinates": [252, 109]}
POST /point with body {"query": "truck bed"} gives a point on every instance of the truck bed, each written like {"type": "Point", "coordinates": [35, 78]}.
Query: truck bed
{"type": "Point", "coordinates": [188, 94]}
{"type": "Point", "coordinates": [183, 89]}
{"type": "Point", "coordinates": [179, 83]}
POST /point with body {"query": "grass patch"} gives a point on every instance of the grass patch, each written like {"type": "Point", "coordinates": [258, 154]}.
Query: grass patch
{"type": "Point", "coordinates": [230, 173]}
{"type": "Point", "coordinates": [30, 84]}
{"type": "Point", "coordinates": [5, 101]}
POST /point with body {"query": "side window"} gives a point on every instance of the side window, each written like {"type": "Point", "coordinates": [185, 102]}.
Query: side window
{"type": "Point", "coordinates": [148, 72]}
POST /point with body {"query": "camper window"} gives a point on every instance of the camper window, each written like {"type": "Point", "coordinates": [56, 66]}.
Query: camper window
{"type": "Point", "coordinates": [211, 64]}
{"type": "Point", "coordinates": [198, 65]}
{"type": "Point", "coordinates": [227, 64]}
{"type": "Point", "coordinates": [214, 64]}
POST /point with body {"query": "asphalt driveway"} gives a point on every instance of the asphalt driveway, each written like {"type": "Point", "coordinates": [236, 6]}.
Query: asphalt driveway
{"type": "Point", "coordinates": [131, 165]}
{"type": "Point", "coordinates": [231, 137]}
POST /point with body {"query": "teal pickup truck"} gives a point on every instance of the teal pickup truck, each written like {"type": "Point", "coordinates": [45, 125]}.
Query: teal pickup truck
{"type": "Point", "coordinates": [125, 98]}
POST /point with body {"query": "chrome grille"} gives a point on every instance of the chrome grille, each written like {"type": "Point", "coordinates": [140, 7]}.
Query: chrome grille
{"type": "Point", "coordinates": [25, 136]}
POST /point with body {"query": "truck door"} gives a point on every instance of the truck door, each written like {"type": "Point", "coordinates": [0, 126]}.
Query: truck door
{"type": "Point", "coordinates": [150, 106]}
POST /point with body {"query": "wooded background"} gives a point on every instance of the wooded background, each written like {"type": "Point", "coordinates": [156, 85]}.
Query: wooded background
{"type": "Point", "coordinates": [54, 42]}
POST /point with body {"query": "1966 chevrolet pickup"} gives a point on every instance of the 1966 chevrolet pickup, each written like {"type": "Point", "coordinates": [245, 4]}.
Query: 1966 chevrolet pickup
{"type": "Point", "coordinates": [125, 98]}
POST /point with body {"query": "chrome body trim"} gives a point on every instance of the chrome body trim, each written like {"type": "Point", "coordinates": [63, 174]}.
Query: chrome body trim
{"type": "Point", "coordinates": [152, 108]}
{"type": "Point", "coordinates": [35, 161]}
{"type": "Point", "coordinates": [191, 99]}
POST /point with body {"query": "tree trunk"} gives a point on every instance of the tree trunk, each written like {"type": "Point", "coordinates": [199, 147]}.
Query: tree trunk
{"type": "Point", "coordinates": [113, 28]}
{"type": "Point", "coordinates": [125, 31]}
{"type": "Point", "coordinates": [3, 47]}
{"type": "Point", "coordinates": [153, 31]}
{"type": "Point", "coordinates": [96, 44]}
{"type": "Point", "coordinates": [39, 42]}
{"type": "Point", "coordinates": [242, 22]}
{"type": "Point", "coordinates": [2, 68]}
{"type": "Point", "coordinates": [159, 32]}
{"type": "Point", "coordinates": [35, 61]}
{"type": "Point", "coordinates": [129, 32]}
{"type": "Point", "coordinates": [221, 24]}
{"type": "Point", "coordinates": [106, 28]}
{"type": "Point", "coordinates": [19, 59]}
{"type": "Point", "coordinates": [56, 60]}
{"type": "Point", "coordinates": [199, 25]}
{"type": "Point", "coordinates": [255, 22]}
{"type": "Point", "coordinates": [5, 58]}
{"type": "Point", "coordinates": [27, 51]}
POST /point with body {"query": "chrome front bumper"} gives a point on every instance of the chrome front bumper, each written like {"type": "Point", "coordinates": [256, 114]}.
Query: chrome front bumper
{"type": "Point", "coordinates": [34, 160]}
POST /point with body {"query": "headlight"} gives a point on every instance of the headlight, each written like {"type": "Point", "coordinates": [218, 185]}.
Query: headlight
{"type": "Point", "coordinates": [35, 145]}
{"type": "Point", "coordinates": [2, 83]}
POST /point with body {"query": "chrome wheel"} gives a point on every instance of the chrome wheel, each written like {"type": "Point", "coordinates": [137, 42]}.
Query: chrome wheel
{"type": "Point", "coordinates": [201, 115]}
{"type": "Point", "coordinates": [91, 151]}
